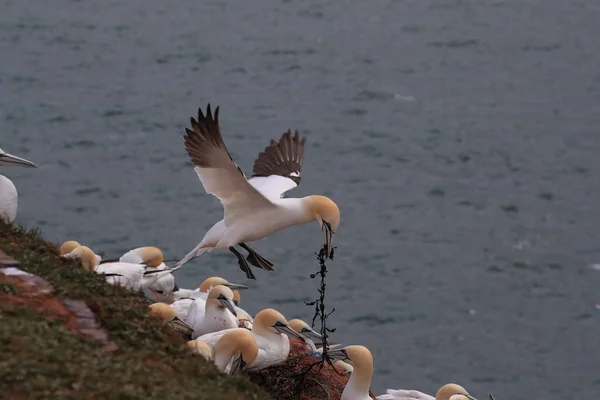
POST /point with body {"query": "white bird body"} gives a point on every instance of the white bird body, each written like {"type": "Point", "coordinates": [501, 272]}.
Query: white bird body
{"type": "Point", "coordinates": [129, 275]}
{"type": "Point", "coordinates": [218, 312]}
{"type": "Point", "coordinates": [253, 209]}
{"type": "Point", "coordinates": [123, 274]}
{"type": "Point", "coordinates": [273, 343]}
{"type": "Point", "coordinates": [401, 394]}
{"type": "Point", "coordinates": [9, 198]}
{"type": "Point", "coordinates": [151, 258]}
{"type": "Point", "coordinates": [182, 308]}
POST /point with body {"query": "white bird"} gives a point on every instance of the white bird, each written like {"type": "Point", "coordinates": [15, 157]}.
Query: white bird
{"type": "Point", "coordinates": [9, 198]}
{"type": "Point", "coordinates": [311, 337]}
{"type": "Point", "coordinates": [167, 314]}
{"type": "Point", "coordinates": [357, 388]}
{"type": "Point", "coordinates": [235, 352]}
{"type": "Point", "coordinates": [305, 330]}
{"type": "Point", "coordinates": [124, 274]}
{"type": "Point", "coordinates": [215, 314]}
{"type": "Point", "coordinates": [161, 290]}
{"type": "Point", "coordinates": [205, 286]}
{"type": "Point", "coordinates": [185, 297]}
{"type": "Point", "coordinates": [67, 247]}
{"type": "Point", "coordinates": [255, 208]}
{"type": "Point", "coordinates": [272, 334]}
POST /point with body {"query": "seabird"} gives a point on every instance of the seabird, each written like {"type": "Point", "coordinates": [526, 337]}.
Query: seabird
{"type": "Point", "coordinates": [9, 199]}
{"type": "Point", "coordinates": [357, 388]}
{"type": "Point", "coordinates": [254, 208]}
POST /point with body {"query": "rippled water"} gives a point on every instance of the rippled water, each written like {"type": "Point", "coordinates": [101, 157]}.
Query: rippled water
{"type": "Point", "coordinates": [459, 138]}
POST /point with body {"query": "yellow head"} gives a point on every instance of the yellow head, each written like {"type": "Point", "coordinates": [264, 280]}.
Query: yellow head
{"type": "Point", "coordinates": [361, 360]}
{"type": "Point", "coordinates": [269, 322]}
{"type": "Point", "coordinates": [86, 256]}
{"type": "Point", "coordinates": [298, 325]}
{"type": "Point", "coordinates": [162, 311]}
{"type": "Point", "coordinates": [239, 344]}
{"type": "Point", "coordinates": [150, 255]}
{"type": "Point", "coordinates": [221, 296]}
{"type": "Point", "coordinates": [452, 391]}
{"type": "Point", "coordinates": [200, 347]}
{"type": "Point", "coordinates": [327, 213]}
{"type": "Point", "coordinates": [68, 247]}
{"type": "Point", "coordinates": [217, 280]}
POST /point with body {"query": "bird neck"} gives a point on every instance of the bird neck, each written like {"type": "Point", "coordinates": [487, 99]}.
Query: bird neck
{"type": "Point", "coordinates": [358, 385]}
{"type": "Point", "coordinates": [222, 359]}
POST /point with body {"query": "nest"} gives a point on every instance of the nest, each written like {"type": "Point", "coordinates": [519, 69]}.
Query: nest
{"type": "Point", "coordinates": [296, 380]}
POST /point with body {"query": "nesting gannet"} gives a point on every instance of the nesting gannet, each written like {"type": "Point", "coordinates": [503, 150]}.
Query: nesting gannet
{"type": "Point", "coordinates": [152, 257]}
{"type": "Point", "coordinates": [255, 208]}
{"type": "Point", "coordinates": [9, 198]}
{"type": "Point", "coordinates": [199, 347]}
{"type": "Point", "coordinates": [124, 274]}
{"type": "Point", "coordinates": [215, 314]}
{"type": "Point", "coordinates": [167, 314]}
{"type": "Point", "coordinates": [305, 330]}
{"type": "Point", "coordinates": [450, 391]}
{"type": "Point", "coordinates": [185, 297]}
{"type": "Point", "coordinates": [67, 247]}
{"type": "Point", "coordinates": [235, 351]}
{"type": "Point", "coordinates": [357, 388]}
{"type": "Point", "coordinates": [271, 332]}
{"type": "Point", "coordinates": [205, 286]}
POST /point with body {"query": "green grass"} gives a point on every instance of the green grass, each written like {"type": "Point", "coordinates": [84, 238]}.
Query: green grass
{"type": "Point", "coordinates": [42, 358]}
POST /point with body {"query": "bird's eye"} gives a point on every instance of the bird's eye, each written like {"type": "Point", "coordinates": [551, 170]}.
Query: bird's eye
{"type": "Point", "coordinates": [279, 323]}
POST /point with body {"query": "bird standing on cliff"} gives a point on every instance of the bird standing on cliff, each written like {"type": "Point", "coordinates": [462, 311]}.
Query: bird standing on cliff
{"type": "Point", "coordinates": [9, 198]}
{"type": "Point", "coordinates": [253, 208]}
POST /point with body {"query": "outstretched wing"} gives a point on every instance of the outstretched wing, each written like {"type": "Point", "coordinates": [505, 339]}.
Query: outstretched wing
{"type": "Point", "coordinates": [219, 175]}
{"type": "Point", "coordinates": [277, 169]}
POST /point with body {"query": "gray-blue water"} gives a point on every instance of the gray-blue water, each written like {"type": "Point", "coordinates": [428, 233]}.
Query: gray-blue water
{"type": "Point", "coordinates": [459, 138]}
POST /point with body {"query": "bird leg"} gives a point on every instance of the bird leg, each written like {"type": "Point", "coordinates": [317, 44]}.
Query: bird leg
{"type": "Point", "coordinates": [256, 259]}
{"type": "Point", "coordinates": [242, 263]}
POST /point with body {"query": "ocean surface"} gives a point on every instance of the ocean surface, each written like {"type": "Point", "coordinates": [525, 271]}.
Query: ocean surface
{"type": "Point", "coordinates": [460, 139]}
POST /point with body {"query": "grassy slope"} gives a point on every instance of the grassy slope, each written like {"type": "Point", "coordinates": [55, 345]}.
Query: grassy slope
{"type": "Point", "coordinates": [42, 358]}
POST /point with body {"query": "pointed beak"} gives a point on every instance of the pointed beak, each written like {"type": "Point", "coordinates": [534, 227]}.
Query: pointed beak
{"type": "Point", "coordinates": [236, 286]}
{"type": "Point", "coordinates": [228, 304]}
{"type": "Point", "coordinates": [470, 397]}
{"type": "Point", "coordinates": [328, 233]}
{"type": "Point", "coordinates": [338, 354]}
{"type": "Point", "coordinates": [182, 326]}
{"type": "Point", "coordinates": [237, 366]}
{"type": "Point", "coordinates": [312, 335]}
{"type": "Point", "coordinates": [289, 332]}
{"type": "Point", "coordinates": [14, 161]}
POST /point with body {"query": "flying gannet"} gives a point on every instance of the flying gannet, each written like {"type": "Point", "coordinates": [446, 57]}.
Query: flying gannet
{"type": "Point", "coordinates": [254, 208]}
{"type": "Point", "coordinates": [9, 199]}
